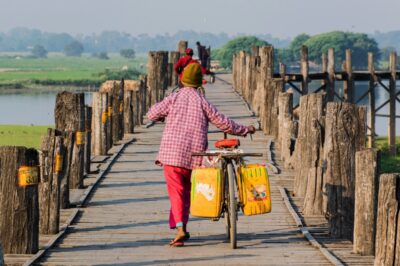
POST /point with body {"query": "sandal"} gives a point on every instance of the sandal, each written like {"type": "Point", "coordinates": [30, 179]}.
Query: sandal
{"type": "Point", "coordinates": [176, 243]}
{"type": "Point", "coordinates": [187, 236]}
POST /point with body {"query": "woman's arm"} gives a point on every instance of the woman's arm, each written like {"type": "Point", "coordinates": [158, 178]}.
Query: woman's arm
{"type": "Point", "coordinates": [161, 109]}
{"type": "Point", "coordinates": [222, 122]}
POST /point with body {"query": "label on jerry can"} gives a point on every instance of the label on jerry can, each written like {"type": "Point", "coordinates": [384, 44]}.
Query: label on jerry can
{"type": "Point", "coordinates": [110, 111]}
{"type": "Point", "coordinates": [104, 117]}
{"type": "Point", "coordinates": [80, 137]}
{"type": "Point", "coordinates": [28, 176]}
{"type": "Point", "coordinates": [58, 163]}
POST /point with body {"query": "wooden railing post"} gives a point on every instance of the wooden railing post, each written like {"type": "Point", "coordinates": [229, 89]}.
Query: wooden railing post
{"type": "Point", "coordinates": [304, 69]}
{"type": "Point", "coordinates": [309, 142]}
{"type": "Point", "coordinates": [366, 201]}
{"type": "Point", "coordinates": [348, 84]}
{"type": "Point", "coordinates": [88, 136]}
{"type": "Point", "coordinates": [68, 143]}
{"type": "Point", "coordinates": [330, 89]}
{"type": "Point", "coordinates": [173, 59]}
{"type": "Point", "coordinates": [387, 250]}
{"type": "Point", "coordinates": [392, 103]}
{"type": "Point", "coordinates": [19, 208]}
{"type": "Point", "coordinates": [344, 136]}
{"type": "Point", "coordinates": [371, 94]}
{"type": "Point", "coordinates": [70, 116]}
{"type": "Point", "coordinates": [51, 171]}
{"type": "Point", "coordinates": [182, 46]}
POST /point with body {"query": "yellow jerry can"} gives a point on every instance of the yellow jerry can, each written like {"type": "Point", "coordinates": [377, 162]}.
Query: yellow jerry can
{"type": "Point", "coordinates": [206, 194]}
{"type": "Point", "coordinates": [254, 189]}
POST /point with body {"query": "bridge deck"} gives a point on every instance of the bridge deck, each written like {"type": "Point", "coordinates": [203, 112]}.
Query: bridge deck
{"type": "Point", "coordinates": [126, 220]}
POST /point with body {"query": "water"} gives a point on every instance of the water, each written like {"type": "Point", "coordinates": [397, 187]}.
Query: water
{"type": "Point", "coordinates": [30, 108]}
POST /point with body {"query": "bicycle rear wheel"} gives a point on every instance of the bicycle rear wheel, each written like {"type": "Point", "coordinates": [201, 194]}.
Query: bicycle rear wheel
{"type": "Point", "coordinates": [232, 205]}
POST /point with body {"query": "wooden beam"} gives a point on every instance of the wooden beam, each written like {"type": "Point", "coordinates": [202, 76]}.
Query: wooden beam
{"type": "Point", "coordinates": [295, 87]}
{"type": "Point", "coordinates": [348, 85]}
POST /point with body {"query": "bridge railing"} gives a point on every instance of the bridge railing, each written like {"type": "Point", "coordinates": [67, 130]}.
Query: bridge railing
{"type": "Point", "coordinates": [324, 139]}
{"type": "Point", "coordinates": [36, 184]}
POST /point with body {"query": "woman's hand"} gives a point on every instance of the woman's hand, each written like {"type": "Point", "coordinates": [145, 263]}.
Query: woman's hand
{"type": "Point", "coordinates": [251, 129]}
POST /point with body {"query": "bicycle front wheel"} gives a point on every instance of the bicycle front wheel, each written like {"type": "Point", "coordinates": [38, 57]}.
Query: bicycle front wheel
{"type": "Point", "coordinates": [232, 205]}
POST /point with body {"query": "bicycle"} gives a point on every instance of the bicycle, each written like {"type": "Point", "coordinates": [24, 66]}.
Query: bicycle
{"type": "Point", "coordinates": [229, 154]}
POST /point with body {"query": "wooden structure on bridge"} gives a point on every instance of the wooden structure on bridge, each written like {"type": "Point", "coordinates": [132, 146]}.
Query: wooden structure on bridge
{"type": "Point", "coordinates": [323, 140]}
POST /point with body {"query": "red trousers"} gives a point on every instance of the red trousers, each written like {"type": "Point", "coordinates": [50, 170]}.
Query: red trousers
{"type": "Point", "coordinates": [179, 186]}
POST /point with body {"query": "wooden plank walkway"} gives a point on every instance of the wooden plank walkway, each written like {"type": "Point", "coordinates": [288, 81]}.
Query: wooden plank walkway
{"type": "Point", "coordinates": [126, 220]}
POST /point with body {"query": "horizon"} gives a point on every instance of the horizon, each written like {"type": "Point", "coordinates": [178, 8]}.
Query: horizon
{"type": "Point", "coordinates": [259, 17]}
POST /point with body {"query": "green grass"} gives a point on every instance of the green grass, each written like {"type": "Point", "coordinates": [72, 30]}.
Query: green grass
{"type": "Point", "coordinates": [58, 68]}
{"type": "Point", "coordinates": [18, 135]}
{"type": "Point", "coordinates": [389, 164]}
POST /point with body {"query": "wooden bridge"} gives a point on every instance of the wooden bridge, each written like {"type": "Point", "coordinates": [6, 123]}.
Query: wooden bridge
{"type": "Point", "coordinates": [112, 208]}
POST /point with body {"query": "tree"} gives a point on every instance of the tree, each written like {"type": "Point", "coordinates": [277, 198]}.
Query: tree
{"type": "Point", "coordinates": [39, 51]}
{"type": "Point", "coordinates": [103, 55]}
{"type": "Point", "coordinates": [127, 53]}
{"type": "Point", "coordinates": [359, 44]}
{"type": "Point", "coordinates": [74, 48]}
{"type": "Point", "coordinates": [295, 45]}
{"type": "Point", "coordinates": [245, 43]}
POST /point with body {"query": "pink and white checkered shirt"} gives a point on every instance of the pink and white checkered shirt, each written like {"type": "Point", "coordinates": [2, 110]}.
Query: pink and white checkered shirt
{"type": "Point", "coordinates": [187, 115]}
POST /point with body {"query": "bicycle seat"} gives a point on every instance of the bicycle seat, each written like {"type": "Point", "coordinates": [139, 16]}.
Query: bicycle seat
{"type": "Point", "coordinates": [227, 143]}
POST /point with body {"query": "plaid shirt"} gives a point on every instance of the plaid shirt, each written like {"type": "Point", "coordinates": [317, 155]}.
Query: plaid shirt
{"type": "Point", "coordinates": [187, 115]}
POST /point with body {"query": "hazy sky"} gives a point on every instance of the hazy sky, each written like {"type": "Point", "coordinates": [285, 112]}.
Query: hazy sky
{"type": "Point", "coordinates": [281, 18]}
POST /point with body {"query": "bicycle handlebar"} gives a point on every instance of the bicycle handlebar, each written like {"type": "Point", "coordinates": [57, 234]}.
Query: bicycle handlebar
{"type": "Point", "coordinates": [227, 154]}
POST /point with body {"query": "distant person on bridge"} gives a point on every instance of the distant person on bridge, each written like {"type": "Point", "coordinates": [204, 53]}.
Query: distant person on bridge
{"type": "Point", "coordinates": [203, 55]}
{"type": "Point", "coordinates": [186, 60]}
{"type": "Point", "coordinates": [187, 115]}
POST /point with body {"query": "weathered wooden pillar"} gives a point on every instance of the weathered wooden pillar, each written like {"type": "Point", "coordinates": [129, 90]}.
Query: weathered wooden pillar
{"type": "Point", "coordinates": [248, 73]}
{"type": "Point", "coordinates": [265, 93]}
{"type": "Point", "coordinates": [173, 59]}
{"type": "Point", "coordinates": [255, 50]}
{"type": "Point", "coordinates": [104, 124]}
{"type": "Point", "coordinates": [51, 171]}
{"type": "Point", "coordinates": [392, 103]}
{"type": "Point", "coordinates": [19, 219]}
{"type": "Point", "coordinates": [270, 109]}
{"type": "Point", "coordinates": [286, 126]}
{"type": "Point", "coordinates": [234, 71]}
{"type": "Point", "coordinates": [304, 69]}
{"type": "Point", "coordinates": [1, 256]}
{"type": "Point", "coordinates": [129, 122]}
{"type": "Point", "coordinates": [96, 122]}
{"type": "Point", "coordinates": [109, 122]}
{"type": "Point", "coordinates": [282, 71]}
{"type": "Point", "coordinates": [309, 142]}
{"type": "Point", "coordinates": [88, 137]}
{"type": "Point", "coordinates": [242, 72]}
{"type": "Point", "coordinates": [157, 76]}
{"type": "Point", "coordinates": [348, 84]}
{"type": "Point", "coordinates": [387, 250]}
{"type": "Point", "coordinates": [371, 98]}
{"type": "Point", "coordinates": [142, 98]}
{"type": "Point", "coordinates": [366, 201]}
{"type": "Point", "coordinates": [182, 46]}
{"type": "Point", "coordinates": [68, 144]}
{"type": "Point", "coordinates": [117, 113]}
{"type": "Point", "coordinates": [345, 133]}
{"type": "Point", "coordinates": [70, 116]}
{"type": "Point", "coordinates": [324, 69]}
{"type": "Point", "coordinates": [330, 88]}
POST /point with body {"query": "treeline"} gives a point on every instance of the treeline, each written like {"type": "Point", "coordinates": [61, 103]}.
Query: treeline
{"type": "Point", "coordinates": [24, 39]}
{"type": "Point", "coordinates": [360, 44]}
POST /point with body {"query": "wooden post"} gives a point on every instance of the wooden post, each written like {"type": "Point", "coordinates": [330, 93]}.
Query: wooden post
{"type": "Point", "coordinates": [88, 135]}
{"type": "Point", "coordinates": [96, 122]}
{"type": "Point", "coordinates": [51, 171]}
{"type": "Point", "coordinates": [157, 78]}
{"type": "Point", "coordinates": [19, 219]}
{"type": "Point", "coordinates": [265, 94]}
{"type": "Point", "coordinates": [309, 143]}
{"type": "Point", "coordinates": [348, 84]}
{"type": "Point", "coordinates": [255, 50]}
{"type": "Point", "coordinates": [371, 94]}
{"type": "Point", "coordinates": [304, 68]}
{"type": "Point", "coordinates": [344, 136]}
{"type": "Point", "coordinates": [285, 104]}
{"type": "Point", "coordinates": [242, 72]}
{"type": "Point", "coordinates": [1, 256]}
{"type": "Point", "coordinates": [330, 89]}
{"type": "Point", "coordinates": [324, 68]}
{"type": "Point", "coordinates": [234, 71]}
{"type": "Point", "coordinates": [366, 201]}
{"type": "Point", "coordinates": [173, 59]}
{"type": "Point", "coordinates": [129, 122]}
{"type": "Point", "coordinates": [68, 144]}
{"type": "Point", "coordinates": [117, 97]}
{"type": "Point", "coordinates": [109, 125]}
{"type": "Point", "coordinates": [392, 103]}
{"type": "Point", "coordinates": [182, 46]}
{"type": "Point", "coordinates": [387, 250]}
{"type": "Point", "coordinates": [70, 116]}
{"type": "Point", "coordinates": [143, 96]}
{"type": "Point", "coordinates": [282, 71]}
